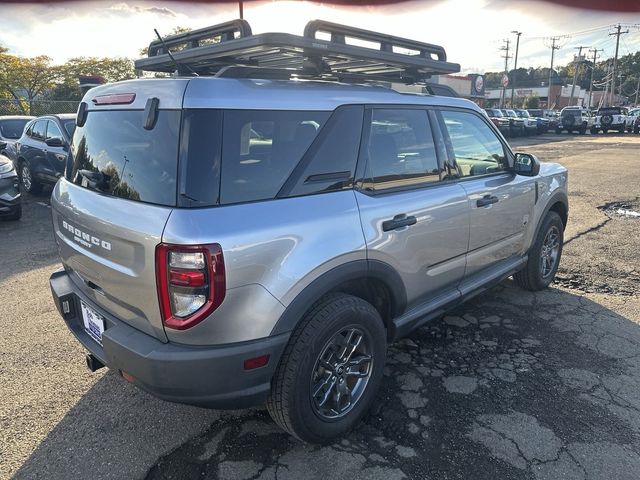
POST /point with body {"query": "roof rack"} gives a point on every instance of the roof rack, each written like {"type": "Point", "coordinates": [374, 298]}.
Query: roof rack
{"type": "Point", "coordinates": [327, 51]}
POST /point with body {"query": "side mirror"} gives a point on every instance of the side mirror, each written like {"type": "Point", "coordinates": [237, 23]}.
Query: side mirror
{"type": "Point", "coordinates": [55, 142]}
{"type": "Point", "coordinates": [526, 164]}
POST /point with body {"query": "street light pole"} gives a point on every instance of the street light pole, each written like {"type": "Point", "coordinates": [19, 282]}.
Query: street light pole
{"type": "Point", "coordinates": [515, 64]}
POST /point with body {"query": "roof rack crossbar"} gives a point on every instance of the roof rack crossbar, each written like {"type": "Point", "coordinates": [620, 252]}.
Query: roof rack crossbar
{"type": "Point", "coordinates": [222, 32]}
{"type": "Point", "coordinates": [350, 53]}
{"type": "Point", "coordinates": [340, 33]}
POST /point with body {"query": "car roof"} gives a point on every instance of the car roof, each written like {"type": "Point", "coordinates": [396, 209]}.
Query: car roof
{"type": "Point", "coordinates": [258, 94]}
{"type": "Point", "coordinates": [16, 117]}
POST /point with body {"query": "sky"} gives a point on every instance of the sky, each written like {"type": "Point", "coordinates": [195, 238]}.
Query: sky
{"type": "Point", "coordinates": [472, 31]}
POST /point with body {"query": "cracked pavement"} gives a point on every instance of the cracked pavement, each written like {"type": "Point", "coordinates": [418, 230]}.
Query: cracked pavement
{"type": "Point", "coordinates": [513, 385]}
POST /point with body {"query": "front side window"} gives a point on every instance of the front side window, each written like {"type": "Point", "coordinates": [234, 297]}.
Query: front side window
{"type": "Point", "coordinates": [261, 149]}
{"type": "Point", "coordinates": [400, 150]}
{"type": "Point", "coordinates": [53, 131]}
{"type": "Point", "coordinates": [39, 130]}
{"type": "Point", "coordinates": [476, 149]}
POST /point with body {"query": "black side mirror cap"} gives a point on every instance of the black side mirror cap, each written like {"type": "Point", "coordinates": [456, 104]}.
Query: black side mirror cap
{"type": "Point", "coordinates": [81, 115]}
{"type": "Point", "coordinates": [526, 164]}
{"type": "Point", "coordinates": [55, 142]}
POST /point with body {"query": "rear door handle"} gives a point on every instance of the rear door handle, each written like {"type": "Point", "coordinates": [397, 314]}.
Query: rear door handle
{"type": "Point", "coordinates": [398, 221]}
{"type": "Point", "coordinates": [486, 200]}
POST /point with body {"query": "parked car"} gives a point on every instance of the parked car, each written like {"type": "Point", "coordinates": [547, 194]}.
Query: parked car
{"type": "Point", "coordinates": [501, 122]}
{"type": "Point", "coordinates": [610, 118]}
{"type": "Point", "coordinates": [516, 124]}
{"type": "Point", "coordinates": [541, 119]}
{"type": "Point", "coordinates": [530, 123]}
{"type": "Point", "coordinates": [11, 128]}
{"type": "Point", "coordinates": [210, 265]}
{"type": "Point", "coordinates": [574, 119]}
{"type": "Point", "coordinates": [10, 202]}
{"type": "Point", "coordinates": [42, 150]}
{"type": "Point", "coordinates": [634, 124]}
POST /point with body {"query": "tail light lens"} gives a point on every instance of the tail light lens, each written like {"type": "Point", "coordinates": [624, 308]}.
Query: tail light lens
{"type": "Point", "coordinates": [191, 283]}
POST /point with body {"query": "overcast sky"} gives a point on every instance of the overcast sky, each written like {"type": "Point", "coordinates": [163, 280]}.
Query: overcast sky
{"type": "Point", "coordinates": [470, 30]}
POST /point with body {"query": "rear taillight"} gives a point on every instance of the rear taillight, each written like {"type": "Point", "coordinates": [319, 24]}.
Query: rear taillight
{"type": "Point", "coordinates": [191, 283]}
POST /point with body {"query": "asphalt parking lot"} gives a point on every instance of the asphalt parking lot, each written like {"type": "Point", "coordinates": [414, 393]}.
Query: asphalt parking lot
{"type": "Point", "coordinates": [513, 385]}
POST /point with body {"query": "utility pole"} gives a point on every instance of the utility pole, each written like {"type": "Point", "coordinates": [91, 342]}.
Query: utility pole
{"type": "Point", "coordinates": [617, 33]}
{"type": "Point", "coordinates": [637, 89]}
{"type": "Point", "coordinates": [506, 57]}
{"type": "Point", "coordinates": [593, 68]}
{"type": "Point", "coordinates": [241, 8]}
{"type": "Point", "coordinates": [553, 47]}
{"type": "Point", "coordinates": [575, 73]}
{"type": "Point", "coordinates": [515, 64]}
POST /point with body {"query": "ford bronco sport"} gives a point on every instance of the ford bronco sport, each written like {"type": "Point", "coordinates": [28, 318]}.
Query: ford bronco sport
{"type": "Point", "coordinates": [575, 119]}
{"type": "Point", "coordinates": [610, 118]}
{"type": "Point", "coordinates": [240, 236]}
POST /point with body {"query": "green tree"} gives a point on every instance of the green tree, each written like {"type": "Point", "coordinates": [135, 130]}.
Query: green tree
{"type": "Point", "coordinates": [24, 79]}
{"type": "Point", "coordinates": [111, 69]}
{"type": "Point", "coordinates": [532, 101]}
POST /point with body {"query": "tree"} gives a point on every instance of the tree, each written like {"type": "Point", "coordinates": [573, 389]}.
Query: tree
{"type": "Point", "coordinates": [532, 101]}
{"type": "Point", "coordinates": [24, 79]}
{"type": "Point", "coordinates": [111, 69]}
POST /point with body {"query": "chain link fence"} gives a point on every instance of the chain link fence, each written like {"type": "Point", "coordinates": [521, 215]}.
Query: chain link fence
{"type": "Point", "coordinates": [37, 107]}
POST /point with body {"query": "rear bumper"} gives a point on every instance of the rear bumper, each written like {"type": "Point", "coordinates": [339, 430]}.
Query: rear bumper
{"type": "Point", "coordinates": [205, 376]}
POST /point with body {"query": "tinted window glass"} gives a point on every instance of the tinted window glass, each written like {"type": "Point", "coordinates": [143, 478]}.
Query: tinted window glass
{"type": "Point", "coordinates": [69, 126]}
{"type": "Point", "coordinates": [400, 149]}
{"type": "Point", "coordinates": [200, 157]}
{"type": "Point", "coordinates": [476, 148]}
{"type": "Point", "coordinates": [39, 130]}
{"type": "Point", "coordinates": [261, 149]}
{"type": "Point", "coordinates": [12, 128]}
{"type": "Point", "coordinates": [53, 131]}
{"type": "Point", "coordinates": [609, 111]}
{"type": "Point", "coordinates": [119, 157]}
{"type": "Point", "coordinates": [330, 164]}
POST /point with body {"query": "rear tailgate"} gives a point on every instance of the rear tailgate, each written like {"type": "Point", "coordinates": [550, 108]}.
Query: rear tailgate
{"type": "Point", "coordinates": [108, 246]}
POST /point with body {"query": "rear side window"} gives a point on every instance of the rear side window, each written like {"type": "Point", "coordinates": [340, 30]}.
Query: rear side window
{"type": "Point", "coordinates": [113, 154]}
{"type": "Point", "coordinates": [53, 131]}
{"type": "Point", "coordinates": [12, 128]}
{"type": "Point", "coordinates": [400, 150]}
{"type": "Point", "coordinates": [260, 149]}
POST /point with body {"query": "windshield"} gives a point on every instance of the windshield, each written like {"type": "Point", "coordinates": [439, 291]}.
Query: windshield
{"type": "Point", "coordinates": [13, 128]}
{"type": "Point", "coordinates": [571, 113]}
{"type": "Point", "coordinates": [609, 111]}
{"type": "Point", "coordinates": [510, 113]}
{"type": "Point", "coordinates": [114, 154]}
{"type": "Point", "coordinates": [522, 113]}
{"type": "Point", "coordinates": [535, 113]}
{"type": "Point", "coordinates": [495, 113]}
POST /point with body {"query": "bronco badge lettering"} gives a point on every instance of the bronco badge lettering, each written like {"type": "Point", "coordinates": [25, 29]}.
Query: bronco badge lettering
{"type": "Point", "coordinates": [84, 238]}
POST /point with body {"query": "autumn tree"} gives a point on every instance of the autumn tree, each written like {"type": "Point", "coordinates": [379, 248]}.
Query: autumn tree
{"type": "Point", "coordinates": [24, 79]}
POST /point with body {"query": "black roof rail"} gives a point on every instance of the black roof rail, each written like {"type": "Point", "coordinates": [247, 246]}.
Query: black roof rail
{"type": "Point", "coordinates": [349, 54]}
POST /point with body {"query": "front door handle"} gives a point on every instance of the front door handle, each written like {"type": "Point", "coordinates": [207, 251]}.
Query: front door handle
{"type": "Point", "coordinates": [398, 221]}
{"type": "Point", "coordinates": [486, 200]}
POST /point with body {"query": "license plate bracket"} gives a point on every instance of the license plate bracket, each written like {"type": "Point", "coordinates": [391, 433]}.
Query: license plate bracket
{"type": "Point", "coordinates": [93, 322]}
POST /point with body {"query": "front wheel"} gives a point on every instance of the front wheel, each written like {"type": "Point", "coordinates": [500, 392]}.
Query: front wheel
{"type": "Point", "coordinates": [330, 370]}
{"type": "Point", "coordinates": [544, 255]}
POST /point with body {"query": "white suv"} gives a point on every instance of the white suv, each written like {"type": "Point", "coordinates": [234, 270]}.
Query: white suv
{"type": "Point", "coordinates": [610, 118]}
{"type": "Point", "coordinates": [575, 119]}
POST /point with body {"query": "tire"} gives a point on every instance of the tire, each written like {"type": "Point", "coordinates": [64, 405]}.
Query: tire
{"type": "Point", "coordinates": [291, 403]}
{"type": "Point", "coordinates": [28, 183]}
{"type": "Point", "coordinates": [593, 131]}
{"type": "Point", "coordinates": [558, 131]}
{"type": "Point", "coordinates": [636, 130]}
{"type": "Point", "coordinates": [16, 214]}
{"type": "Point", "coordinates": [605, 130]}
{"type": "Point", "coordinates": [583, 130]}
{"type": "Point", "coordinates": [532, 277]}
{"type": "Point", "coordinates": [621, 130]}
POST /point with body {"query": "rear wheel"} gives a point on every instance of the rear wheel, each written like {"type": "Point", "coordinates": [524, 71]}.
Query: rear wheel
{"type": "Point", "coordinates": [558, 131]}
{"type": "Point", "coordinates": [593, 131]}
{"type": "Point", "coordinates": [621, 130]}
{"type": "Point", "coordinates": [544, 255]}
{"type": "Point", "coordinates": [583, 130]}
{"type": "Point", "coordinates": [605, 130]}
{"type": "Point", "coordinates": [330, 371]}
{"type": "Point", "coordinates": [29, 183]}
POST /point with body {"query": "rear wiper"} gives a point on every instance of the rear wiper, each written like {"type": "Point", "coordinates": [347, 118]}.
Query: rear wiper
{"type": "Point", "coordinates": [95, 180]}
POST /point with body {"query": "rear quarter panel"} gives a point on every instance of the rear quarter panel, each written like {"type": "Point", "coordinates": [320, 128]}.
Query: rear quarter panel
{"type": "Point", "coordinates": [272, 251]}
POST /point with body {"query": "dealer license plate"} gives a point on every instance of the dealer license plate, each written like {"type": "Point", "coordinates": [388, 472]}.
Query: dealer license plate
{"type": "Point", "coordinates": [93, 322]}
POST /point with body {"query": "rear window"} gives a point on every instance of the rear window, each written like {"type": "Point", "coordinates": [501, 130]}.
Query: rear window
{"type": "Point", "coordinates": [609, 111]}
{"type": "Point", "coordinates": [113, 154]}
{"type": "Point", "coordinates": [12, 128]}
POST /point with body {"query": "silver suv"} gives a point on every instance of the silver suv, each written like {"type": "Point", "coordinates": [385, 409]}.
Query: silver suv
{"type": "Point", "coordinates": [233, 241]}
